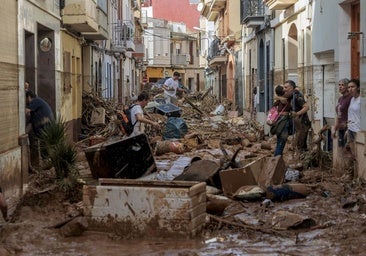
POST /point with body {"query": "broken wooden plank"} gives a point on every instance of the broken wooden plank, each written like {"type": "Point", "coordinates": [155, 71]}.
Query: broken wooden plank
{"type": "Point", "coordinates": [142, 183]}
{"type": "Point", "coordinates": [193, 106]}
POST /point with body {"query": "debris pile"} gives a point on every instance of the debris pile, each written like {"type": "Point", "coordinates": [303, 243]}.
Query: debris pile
{"type": "Point", "coordinates": [208, 142]}
{"type": "Point", "coordinates": [99, 118]}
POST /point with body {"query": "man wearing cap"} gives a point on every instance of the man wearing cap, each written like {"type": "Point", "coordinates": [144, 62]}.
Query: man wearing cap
{"type": "Point", "coordinates": [171, 86]}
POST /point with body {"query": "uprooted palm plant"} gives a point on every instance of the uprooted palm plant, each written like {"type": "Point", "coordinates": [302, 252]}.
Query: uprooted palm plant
{"type": "Point", "coordinates": [316, 157]}
{"type": "Point", "coordinates": [60, 154]}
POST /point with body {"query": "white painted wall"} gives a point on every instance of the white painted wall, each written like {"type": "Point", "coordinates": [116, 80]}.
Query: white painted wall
{"type": "Point", "coordinates": [324, 28]}
{"type": "Point", "coordinates": [362, 139]}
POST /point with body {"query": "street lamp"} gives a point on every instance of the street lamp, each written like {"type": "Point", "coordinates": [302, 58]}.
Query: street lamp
{"type": "Point", "coordinates": [200, 29]}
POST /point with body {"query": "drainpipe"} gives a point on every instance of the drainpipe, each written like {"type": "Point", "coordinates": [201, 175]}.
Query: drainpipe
{"type": "Point", "coordinates": [24, 166]}
{"type": "Point", "coordinates": [323, 86]}
{"type": "Point", "coordinates": [272, 49]}
{"type": "Point", "coordinates": [243, 70]}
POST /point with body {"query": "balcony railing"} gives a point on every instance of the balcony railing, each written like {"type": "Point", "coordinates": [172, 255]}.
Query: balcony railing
{"type": "Point", "coordinates": [80, 15]}
{"type": "Point", "coordinates": [139, 50]}
{"type": "Point", "coordinates": [181, 59]}
{"type": "Point", "coordinates": [251, 12]}
{"type": "Point", "coordinates": [123, 36]}
{"type": "Point", "coordinates": [216, 53]}
{"type": "Point", "coordinates": [213, 49]}
{"type": "Point", "coordinates": [168, 61]}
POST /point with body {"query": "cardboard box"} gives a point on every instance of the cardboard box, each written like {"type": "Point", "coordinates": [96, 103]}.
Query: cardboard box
{"type": "Point", "coordinates": [98, 116]}
{"type": "Point", "coordinates": [263, 171]}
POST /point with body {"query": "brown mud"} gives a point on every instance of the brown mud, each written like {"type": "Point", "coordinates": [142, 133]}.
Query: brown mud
{"type": "Point", "coordinates": [336, 204]}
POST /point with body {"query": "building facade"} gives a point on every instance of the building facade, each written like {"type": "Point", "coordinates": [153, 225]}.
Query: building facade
{"type": "Point", "coordinates": [61, 48]}
{"type": "Point", "coordinates": [341, 54]}
{"type": "Point", "coordinates": [224, 71]}
{"type": "Point", "coordinates": [315, 43]}
{"type": "Point", "coordinates": [171, 42]}
{"type": "Point", "coordinates": [12, 105]}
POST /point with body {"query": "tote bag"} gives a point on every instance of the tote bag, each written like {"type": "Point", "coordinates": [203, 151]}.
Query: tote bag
{"type": "Point", "coordinates": [273, 115]}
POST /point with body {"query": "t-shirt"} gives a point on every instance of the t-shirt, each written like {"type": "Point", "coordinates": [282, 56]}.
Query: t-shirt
{"type": "Point", "coordinates": [171, 83]}
{"type": "Point", "coordinates": [354, 114]}
{"type": "Point", "coordinates": [41, 114]}
{"type": "Point", "coordinates": [138, 128]}
{"type": "Point", "coordinates": [342, 109]}
{"type": "Point", "coordinates": [294, 103]}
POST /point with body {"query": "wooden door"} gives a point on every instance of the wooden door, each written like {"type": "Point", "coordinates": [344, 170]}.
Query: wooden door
{"type": "Point", "coordinates": [355, 41]}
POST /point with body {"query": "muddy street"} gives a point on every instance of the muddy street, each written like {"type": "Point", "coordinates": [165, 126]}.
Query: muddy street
{"type": "Point", "coordinates": [214, 189]}
{"type": "Point", "coordinates": [339, 230]}
{"type": "Point", "coordinates": [330, 220]}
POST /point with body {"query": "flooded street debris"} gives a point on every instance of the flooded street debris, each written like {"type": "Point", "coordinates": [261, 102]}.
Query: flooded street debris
{"type": "Point", "coordinates": [137, 196]}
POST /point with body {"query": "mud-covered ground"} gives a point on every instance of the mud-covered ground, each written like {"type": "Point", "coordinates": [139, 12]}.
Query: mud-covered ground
{"type": "Point", "coordinates": [337, 205]}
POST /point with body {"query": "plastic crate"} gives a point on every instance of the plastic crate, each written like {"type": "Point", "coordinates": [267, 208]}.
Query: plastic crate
{"type": "Point", "coordinates": [169, 109]}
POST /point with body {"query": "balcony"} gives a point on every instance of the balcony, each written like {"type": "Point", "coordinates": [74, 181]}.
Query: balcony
{"type": "Point", "coordinates": [139, 50]}
{"type": "Point", "coordinates": [279, 4]}
{"type": "Point", "coordinates": [211, 8]}
{"type": "Point", "coordinates": [80, 15]}
{"type": "Point", "coordinates": [123, 36]}
{"type": "Point", "coordinates": [102, 32]}
{"type": "Point", "coordinates": [217, 61]}
{"type": "Point", "coordinates": [181, 59]}
{"type": "Point", "coordinates": [251, 13]}
{"type": "Point", "coordinates": [216, 53]}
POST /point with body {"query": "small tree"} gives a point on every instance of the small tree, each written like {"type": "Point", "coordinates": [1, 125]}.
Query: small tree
{"type": "Point", "coordinates": [61, 155]}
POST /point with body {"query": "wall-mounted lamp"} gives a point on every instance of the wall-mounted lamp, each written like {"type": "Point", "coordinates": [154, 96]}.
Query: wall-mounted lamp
{"type": "Point", "coordinates": [353, 35]}
{"type": "Point", "coordinates": [45, 44]}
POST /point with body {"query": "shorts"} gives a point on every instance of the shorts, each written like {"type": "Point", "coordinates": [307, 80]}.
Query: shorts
{"type": "Point", "coordinates": [351, 136]}
{"type": "Point", "coordinates": [341, 138]}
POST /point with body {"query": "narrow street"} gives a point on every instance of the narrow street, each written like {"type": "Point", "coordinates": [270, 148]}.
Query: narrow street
{"type": "Point", "coordinates": [329, 214]}
{"type": "Point", "coordinates": [182, 127]}
{"type": "Point", "coordinates": [336, 205]}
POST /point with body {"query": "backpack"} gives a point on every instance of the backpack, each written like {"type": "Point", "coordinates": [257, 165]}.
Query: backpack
{"type": "Point", "coordinates": [124, 117]}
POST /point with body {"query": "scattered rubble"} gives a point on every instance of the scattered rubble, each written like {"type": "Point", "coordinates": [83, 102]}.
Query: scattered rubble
{"type": "Point", "coordinates": [246, 189]}
{"type": "Point", "coordinates": [231, 154]}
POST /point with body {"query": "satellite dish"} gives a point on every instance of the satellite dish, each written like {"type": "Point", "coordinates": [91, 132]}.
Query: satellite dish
{"type": "Point", "coordinates": [45, 44]}
{"type": "Point", "coordinates": [200, 7]}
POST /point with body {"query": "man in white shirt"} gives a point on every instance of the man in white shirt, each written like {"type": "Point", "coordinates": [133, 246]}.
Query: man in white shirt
{"type": "Point", "coordinates": [171, 86]}
{"type": "Point", "coordinates": [137, 115]}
